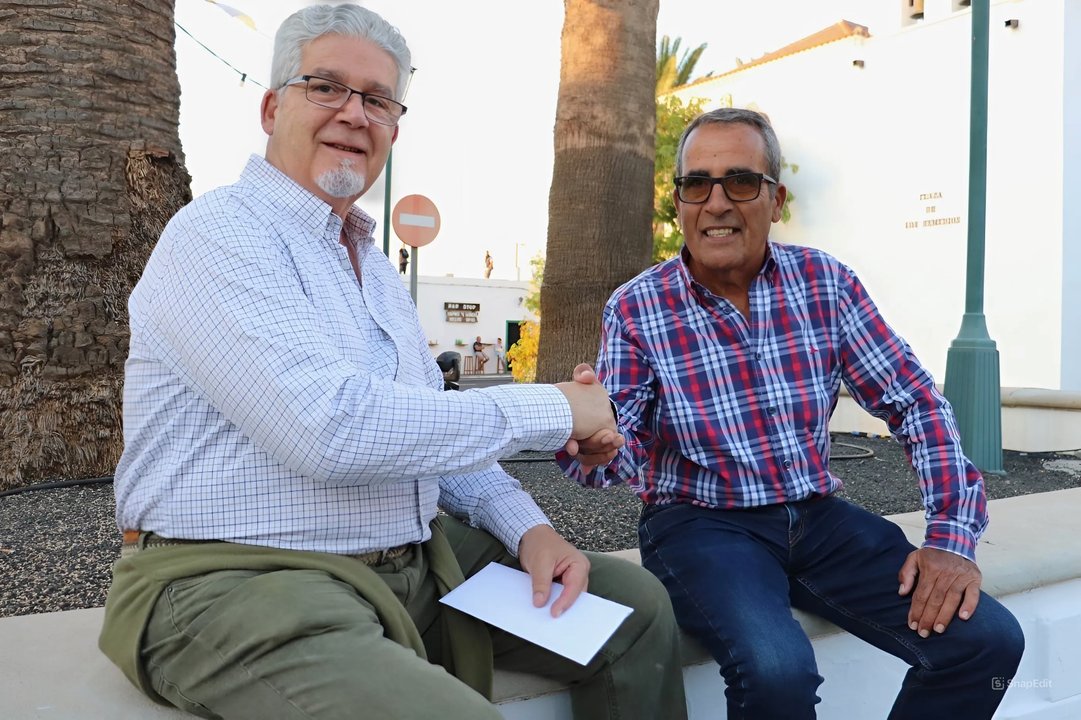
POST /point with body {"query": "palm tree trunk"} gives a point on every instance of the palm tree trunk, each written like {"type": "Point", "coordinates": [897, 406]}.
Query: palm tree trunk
{"type": "Point", "coordinates": [601, 202]}
{"type": "Point", "coordinates": [90, 170]}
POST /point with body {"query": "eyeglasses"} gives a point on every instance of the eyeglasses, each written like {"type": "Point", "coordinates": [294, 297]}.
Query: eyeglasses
{"type": "Point", "coordinates": [330, 94]}
{"type": "Point", "coordinates": [739, 187]}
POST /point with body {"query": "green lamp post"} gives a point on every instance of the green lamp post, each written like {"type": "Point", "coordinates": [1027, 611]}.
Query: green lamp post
{"type": "Point", "coordinates": [386, 206]}
{"type": "Point", "coordinates": [972, 373]}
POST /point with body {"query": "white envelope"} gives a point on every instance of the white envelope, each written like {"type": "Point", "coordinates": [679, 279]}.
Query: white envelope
{"type": "Point", "coordinates": [503, 597]}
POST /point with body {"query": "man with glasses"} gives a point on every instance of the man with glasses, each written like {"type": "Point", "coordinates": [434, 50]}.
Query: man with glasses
{"type": "Point", "coordinates": [288, 444]}
{"type": "Point", "coordinates": [725, 364]}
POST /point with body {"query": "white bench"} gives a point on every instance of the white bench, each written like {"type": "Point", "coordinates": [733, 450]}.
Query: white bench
{"type": "Point", "coordinates": [50, 666]}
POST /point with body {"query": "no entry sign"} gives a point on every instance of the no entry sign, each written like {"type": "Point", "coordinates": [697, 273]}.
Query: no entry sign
{"type": "Point", "coordinates": [415, 220]}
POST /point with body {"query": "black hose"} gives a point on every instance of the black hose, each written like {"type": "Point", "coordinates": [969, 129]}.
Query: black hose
{"type": "Point", "coordinates": [57, 484]}
{"type": "Point", "coordinates": [863, 453]}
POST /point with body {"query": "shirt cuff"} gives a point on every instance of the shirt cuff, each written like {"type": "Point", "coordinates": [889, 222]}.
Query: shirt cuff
{"type": "Point", "coordinates": [539, 416]}
{"type": "Point", "coordinates": [951, 537]}
{"type": "Point", "coordinates": [509, 516]}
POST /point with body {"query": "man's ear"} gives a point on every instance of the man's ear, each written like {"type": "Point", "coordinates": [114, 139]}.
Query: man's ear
{"type": "Point", "coordinates": [268, 110]}
{"type": "Point", "coordinates": [394, 135]}
{"type": "Point", "coordinates": [780, 193]}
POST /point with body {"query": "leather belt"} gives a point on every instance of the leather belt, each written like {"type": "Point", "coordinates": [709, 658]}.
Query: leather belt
{"type": "Point", "coordinates": [378, 557]}
{"type": "Point", "coordinates": [132, 545]}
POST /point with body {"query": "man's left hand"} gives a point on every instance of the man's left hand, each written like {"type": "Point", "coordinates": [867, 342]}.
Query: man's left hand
{"type": "Point", "coordinates": [946, 582]}
{"type": "Point", "coordinates": [598, 449]}
{"type": "Point", "coordinates": [547, 556]}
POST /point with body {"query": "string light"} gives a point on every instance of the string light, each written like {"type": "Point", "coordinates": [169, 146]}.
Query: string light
{"type": "Point", "coordinates": [243, 75]}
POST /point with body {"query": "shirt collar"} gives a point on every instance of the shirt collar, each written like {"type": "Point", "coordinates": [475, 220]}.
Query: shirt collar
{"type": "Point", "coordinates": [311, 212]}
{"type": "Point", "coordinates": [768, 271]}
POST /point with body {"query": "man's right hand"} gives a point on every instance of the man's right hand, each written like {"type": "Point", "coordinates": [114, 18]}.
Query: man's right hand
{"type": "Point", "coordinates": [591, 411]}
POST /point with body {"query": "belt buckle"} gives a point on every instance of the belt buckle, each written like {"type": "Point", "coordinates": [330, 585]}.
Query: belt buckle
{"type": "Point", "coordinates": [392, 552]}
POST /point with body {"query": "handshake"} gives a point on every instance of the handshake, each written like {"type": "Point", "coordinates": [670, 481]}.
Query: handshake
{"type": "Point", "coordinates": [594, 438]}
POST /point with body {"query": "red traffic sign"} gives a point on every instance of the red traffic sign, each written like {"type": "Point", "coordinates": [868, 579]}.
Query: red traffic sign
{"type": "Point", "coordinates": [415, 220]}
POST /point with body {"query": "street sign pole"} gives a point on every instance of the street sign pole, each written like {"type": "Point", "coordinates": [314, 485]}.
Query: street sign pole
{"type": "Point", "coordinates": [386, 208]}
{"type": "Point", "coordinates": [416, 223]}
{"type": "Point", "coordinates": [413, 275]}
{"type": "Point", "coordinates": [972, 371]}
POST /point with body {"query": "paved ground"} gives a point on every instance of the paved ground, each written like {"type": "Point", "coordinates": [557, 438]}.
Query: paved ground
{"type": "Point", "coordinates": [56, 546]}
{"type": "Point", "coordinates": [474, 381]}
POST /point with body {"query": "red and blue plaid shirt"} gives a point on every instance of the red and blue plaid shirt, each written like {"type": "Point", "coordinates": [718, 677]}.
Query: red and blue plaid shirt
{"type": "Point", "coordinates": [727, 412]}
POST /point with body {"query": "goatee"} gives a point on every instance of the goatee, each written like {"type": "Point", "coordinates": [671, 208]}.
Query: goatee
{"type": "Point", "coordinates": [342, 182]}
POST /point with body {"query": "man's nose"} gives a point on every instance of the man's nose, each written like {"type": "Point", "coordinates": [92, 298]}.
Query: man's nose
{"type": "Point", "coordinates": [717, 201]}
{"type": "Point", "coordinates": [353, 111]}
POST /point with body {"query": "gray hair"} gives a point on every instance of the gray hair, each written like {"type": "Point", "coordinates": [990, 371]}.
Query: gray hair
{"type": "Point", "coordinates": [732, 116]}
{"type": "Point", "coordinates": [313, 22]}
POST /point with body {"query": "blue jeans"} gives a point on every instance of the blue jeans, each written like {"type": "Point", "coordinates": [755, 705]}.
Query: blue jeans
{"type": "Point", "coordinates": [734, 576]}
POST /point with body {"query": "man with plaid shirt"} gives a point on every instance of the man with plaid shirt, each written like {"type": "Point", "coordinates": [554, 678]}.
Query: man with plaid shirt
{"type": "Point", "coordinates": [725, 364]}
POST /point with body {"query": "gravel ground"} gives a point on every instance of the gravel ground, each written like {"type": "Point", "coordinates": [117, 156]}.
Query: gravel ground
{"type": "Point", "coordinates": [56, 546]}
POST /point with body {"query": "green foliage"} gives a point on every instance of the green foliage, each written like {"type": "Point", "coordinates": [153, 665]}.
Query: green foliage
{"type": "Point", "coordinates": [673, 72]}
{"type": "Point", "coordinates": [522, 355]}
{"type": "Point", "coordinates": [672, 117]}
{"type": "Point", "coordinates": [786, 210]}
{"type": "Point", "coordinates": [532, 300]}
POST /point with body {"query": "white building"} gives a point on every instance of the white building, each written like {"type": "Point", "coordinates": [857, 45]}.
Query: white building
{"type": "Point", "coordinates": [879, 128]}
{"type": "Point", "coordinates": [454, 311]}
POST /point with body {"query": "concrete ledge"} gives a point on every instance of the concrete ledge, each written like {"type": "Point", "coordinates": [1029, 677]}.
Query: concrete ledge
{"type": "Point", "coordinates": [1033, 419]}
{"type": "Point", "coordinates": [1041, 398]}
{"type": "Point", "coordinates": [1030, 557]}
{"type": "Point", "coordinates": [1009, 555]}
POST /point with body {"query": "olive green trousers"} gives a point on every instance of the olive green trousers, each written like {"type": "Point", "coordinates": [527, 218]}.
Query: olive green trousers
{"type": "Point", "coordinates": [299, 644]}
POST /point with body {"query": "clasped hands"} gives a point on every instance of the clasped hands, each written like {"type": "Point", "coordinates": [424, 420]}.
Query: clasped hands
{"type": "Point", "coordinates": [594, 438]}
{"type": "Point", "coordinates": [594, 441]}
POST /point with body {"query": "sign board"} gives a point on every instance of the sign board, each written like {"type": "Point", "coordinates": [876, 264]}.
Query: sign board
{"type": "Point", "coordinates": [461, 312]}
{"type": "Point", "coordinates": [415, 220]}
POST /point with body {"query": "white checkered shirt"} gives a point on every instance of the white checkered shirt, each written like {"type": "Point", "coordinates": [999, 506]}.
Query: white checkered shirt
{"type": "Point", "coordinates": [272, 399]}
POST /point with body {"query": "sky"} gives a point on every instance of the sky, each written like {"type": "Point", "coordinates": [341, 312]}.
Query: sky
{"type": "Point", "coordinates": [477, 139]}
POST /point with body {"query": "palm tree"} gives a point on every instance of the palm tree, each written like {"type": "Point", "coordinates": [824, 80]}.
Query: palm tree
{"type": "Point", "coordinates": [673, 72]}
{"type": "Point", "coordinates": [600, 204]}
{"type": "Point", "coordinates": [90, 170]}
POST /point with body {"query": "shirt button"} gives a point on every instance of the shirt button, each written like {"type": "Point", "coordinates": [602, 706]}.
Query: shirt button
{"type": "Point", "coordinates": [772, 410]}
{"type": "Point", "coordinates": [758, 356]}
{"type": "Point", "coordinates": [787, 464]}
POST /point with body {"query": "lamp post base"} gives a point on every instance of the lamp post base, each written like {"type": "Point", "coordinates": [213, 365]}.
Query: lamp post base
{"type": "Point", "coordinates": [974, 390]}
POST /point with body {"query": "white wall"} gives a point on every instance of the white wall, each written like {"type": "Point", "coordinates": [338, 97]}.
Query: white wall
{"type": "Point", "coordinates": [1071, 199]}
{"type": "Point", "coordinates": [887, 144]}
{"type": "Point", "coordinates": [501, 301]}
